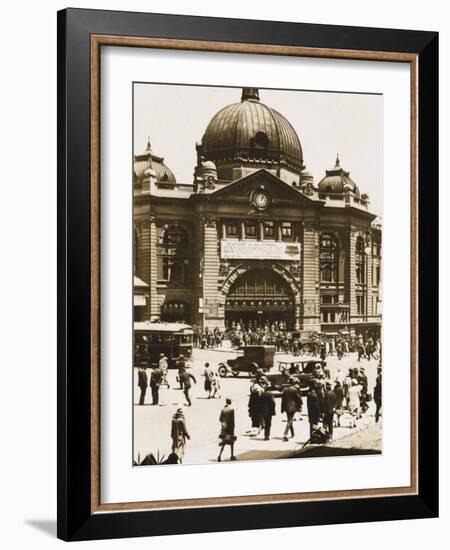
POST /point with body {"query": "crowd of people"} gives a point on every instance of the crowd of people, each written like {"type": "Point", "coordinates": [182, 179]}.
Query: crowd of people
{"type": "Point", "coordinates": [327, 400]}
{"type": "Point", "coordinates": [288, 341]}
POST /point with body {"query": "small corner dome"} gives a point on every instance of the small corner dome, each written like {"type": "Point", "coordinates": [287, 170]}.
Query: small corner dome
{"type": "Point", "coordinates": [337, 181]}
{"type": "Point", "coordinates": [209, 165]}
{"type": "Point", "coordinates": [147, 161]}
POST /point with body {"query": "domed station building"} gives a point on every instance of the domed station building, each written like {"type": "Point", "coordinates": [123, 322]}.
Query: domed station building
{"type": "Point", "coordinates": [252, 239]}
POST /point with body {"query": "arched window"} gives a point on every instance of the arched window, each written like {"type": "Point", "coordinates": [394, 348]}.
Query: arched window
{"type": "Point", "coordinates": [174, 235]}
{"type": "Point", "coordinates": [328, 258]}
{"type": "Point", "coordinates": [360, 260]}
{"type": "Point", "coordinates": [260, 140]}
{"type": "Point", "coordinates": [173, 252]}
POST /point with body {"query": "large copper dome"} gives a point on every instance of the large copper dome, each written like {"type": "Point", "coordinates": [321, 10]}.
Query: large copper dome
{"type": "Point", "coordinates": [252, 131]}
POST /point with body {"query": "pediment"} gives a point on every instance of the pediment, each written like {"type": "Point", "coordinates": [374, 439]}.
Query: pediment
{"type": "Point", "coordinates": [279, 192]}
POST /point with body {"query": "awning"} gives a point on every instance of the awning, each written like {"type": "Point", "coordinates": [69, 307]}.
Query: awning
{"type": "Point", "coordinates": [139, 300]}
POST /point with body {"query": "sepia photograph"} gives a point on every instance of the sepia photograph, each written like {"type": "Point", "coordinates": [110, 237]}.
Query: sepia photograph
{"type": "Point", "coordinates": [257, 274]}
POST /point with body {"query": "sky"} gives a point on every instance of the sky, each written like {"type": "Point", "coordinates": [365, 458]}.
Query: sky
{"type": "Point", "coordinates": [174, 118]}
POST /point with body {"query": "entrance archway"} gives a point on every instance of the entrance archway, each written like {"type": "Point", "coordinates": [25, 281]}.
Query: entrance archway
{"type": "Point", "coordinates": [260, 297]}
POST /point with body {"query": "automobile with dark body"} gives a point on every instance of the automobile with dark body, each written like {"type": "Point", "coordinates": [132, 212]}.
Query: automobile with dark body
{"type": "Point", "coordinates": [252, 359]}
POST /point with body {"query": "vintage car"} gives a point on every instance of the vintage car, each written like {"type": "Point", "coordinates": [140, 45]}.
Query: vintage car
{"type": "Point", "coordinates": [302, 371]}
{"type": "Point", "coordinates": [262, 356]}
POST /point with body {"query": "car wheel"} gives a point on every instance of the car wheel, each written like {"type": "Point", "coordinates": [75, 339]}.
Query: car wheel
{"type": "Point", "coordinates": [223, 371]}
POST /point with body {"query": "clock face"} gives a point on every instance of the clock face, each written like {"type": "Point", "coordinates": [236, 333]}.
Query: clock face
{"type": "Point", "coordinates": [261, 200]}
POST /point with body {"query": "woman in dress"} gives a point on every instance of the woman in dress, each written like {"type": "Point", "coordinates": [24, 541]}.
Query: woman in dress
{"type": "Point", "coordinates": [227, 436]}
{"type": "Point", "coordinates": [354, 401]}
{"type": "Point", "coordinates": [179, 434]}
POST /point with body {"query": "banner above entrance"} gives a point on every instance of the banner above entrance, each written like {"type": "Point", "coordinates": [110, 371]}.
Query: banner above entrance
{"type": "Point", "coordinates": [259, 250]}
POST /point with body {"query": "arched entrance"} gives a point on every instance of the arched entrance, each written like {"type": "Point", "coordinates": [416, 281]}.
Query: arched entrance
{"type": "Point", "coordinates": [260, 297]}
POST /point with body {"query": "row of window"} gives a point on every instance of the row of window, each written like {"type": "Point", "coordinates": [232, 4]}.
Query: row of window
{"type": "Point", "coordinates": [233, 229]}
{"type": "Point", "coordinates": [175, 252]}
{"type": "Point", "coordinates": [329, 261]}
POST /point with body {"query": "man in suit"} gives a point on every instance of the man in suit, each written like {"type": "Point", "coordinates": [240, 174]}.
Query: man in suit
{"type": "Point", "coordinates": [142, 383]}
{"type": "Point", "coordinates": [155, 382]}
{"type": "Point", "coordinates": [329, 406]}
{"type": "Point", "coordinates": [267, 408]}
{"type": "Point", "coordinates": [291, 402]}
{"type": "Point", "coordinates": [362, 380]}
{"type": "Point", "coordinates": [185, 380]}
{"type": "Point", "coordinates": [314, 406]}
{"type": "Point", "coordinates": [377, 393]}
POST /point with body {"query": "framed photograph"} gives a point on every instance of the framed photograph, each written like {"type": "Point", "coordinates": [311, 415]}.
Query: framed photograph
{"type": "Point", "coordinates": [247, 274]}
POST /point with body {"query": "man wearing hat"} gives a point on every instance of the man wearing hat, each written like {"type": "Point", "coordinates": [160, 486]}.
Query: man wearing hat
{"type": "Point", "coordinates": [267, 407]}
{"type": "Point", "coordinates": [377, 395]}
{"type": "Point", "coordinates": [329, 408]}
{"type": "Point", "coordinates": [291, 402]}
{"type": "Point", "coordinates": [314, 406]}
{"type": "Point", "coordinates": [363, 382]}
{"type": "Point", "coordinates": [155, 381]}
{"type": "Point", "coordinates": [185, 381]}
{"type": "Point", "coordinates": [181, 364]}
{"type": "Point", "coordinates": [142, 383]}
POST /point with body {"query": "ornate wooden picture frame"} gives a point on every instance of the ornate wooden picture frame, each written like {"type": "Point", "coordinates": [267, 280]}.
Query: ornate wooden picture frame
{"type": "Point", "coordinates": [81, 36]}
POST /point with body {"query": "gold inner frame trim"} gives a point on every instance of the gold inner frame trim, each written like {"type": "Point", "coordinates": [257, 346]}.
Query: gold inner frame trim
{"type": "Point", "coordinates": [97, 41]}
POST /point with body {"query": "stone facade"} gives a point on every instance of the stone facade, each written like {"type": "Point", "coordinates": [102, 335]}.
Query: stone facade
{"type": "Point", "coordinates": [305, 255]}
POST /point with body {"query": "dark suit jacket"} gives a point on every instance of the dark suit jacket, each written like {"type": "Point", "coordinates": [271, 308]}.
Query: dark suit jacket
{"type": "Point", "coordinates": [186, 377]}
{"type": "Point", "coordinates": [339, 393]}
{"type": "Point", "coordinates": [267, 404]}
{"type": "Point", "coordinates": [156, 378]}
{"type": "Point", "coordinates": [142, 379]}
{"type": "Point", "coordinates": [330, 402]}
{"type": "Point", "coordinates": [314, 408]}
{"type": "Point", "coordinates": [291, 400]}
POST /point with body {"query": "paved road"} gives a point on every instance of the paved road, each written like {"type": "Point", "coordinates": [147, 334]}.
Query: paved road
{"type": "Point", "coordinates": [152, 423]}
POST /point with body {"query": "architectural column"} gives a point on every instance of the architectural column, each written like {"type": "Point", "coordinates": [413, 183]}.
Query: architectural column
{"type": "Point", "coordinates": [350, 272]}
{"type": "Point", "coordinates": [242, 230]}
{"type": "Point", "coordinates": [279, 236]}
{"type": "Point", "coordinates": [369, 263]}
{"type": "Point", "coordinates": [147, 264]}
{"type": "Point", "coordinates": [211, 264]}
{"type": "Point", "coordinates": [260, 230]}
{"type": "Point", "coordinates": [310, 287]}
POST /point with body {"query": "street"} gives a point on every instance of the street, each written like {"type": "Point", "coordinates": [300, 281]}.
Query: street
{"type": "Point", "coordinates": [152, 424]}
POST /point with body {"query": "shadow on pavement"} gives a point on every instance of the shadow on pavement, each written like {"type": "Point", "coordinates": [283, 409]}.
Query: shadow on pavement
{"type": "Point", "coordinates": [325, 451]}
{"type": "Point", "coordinates": [258, 454]}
